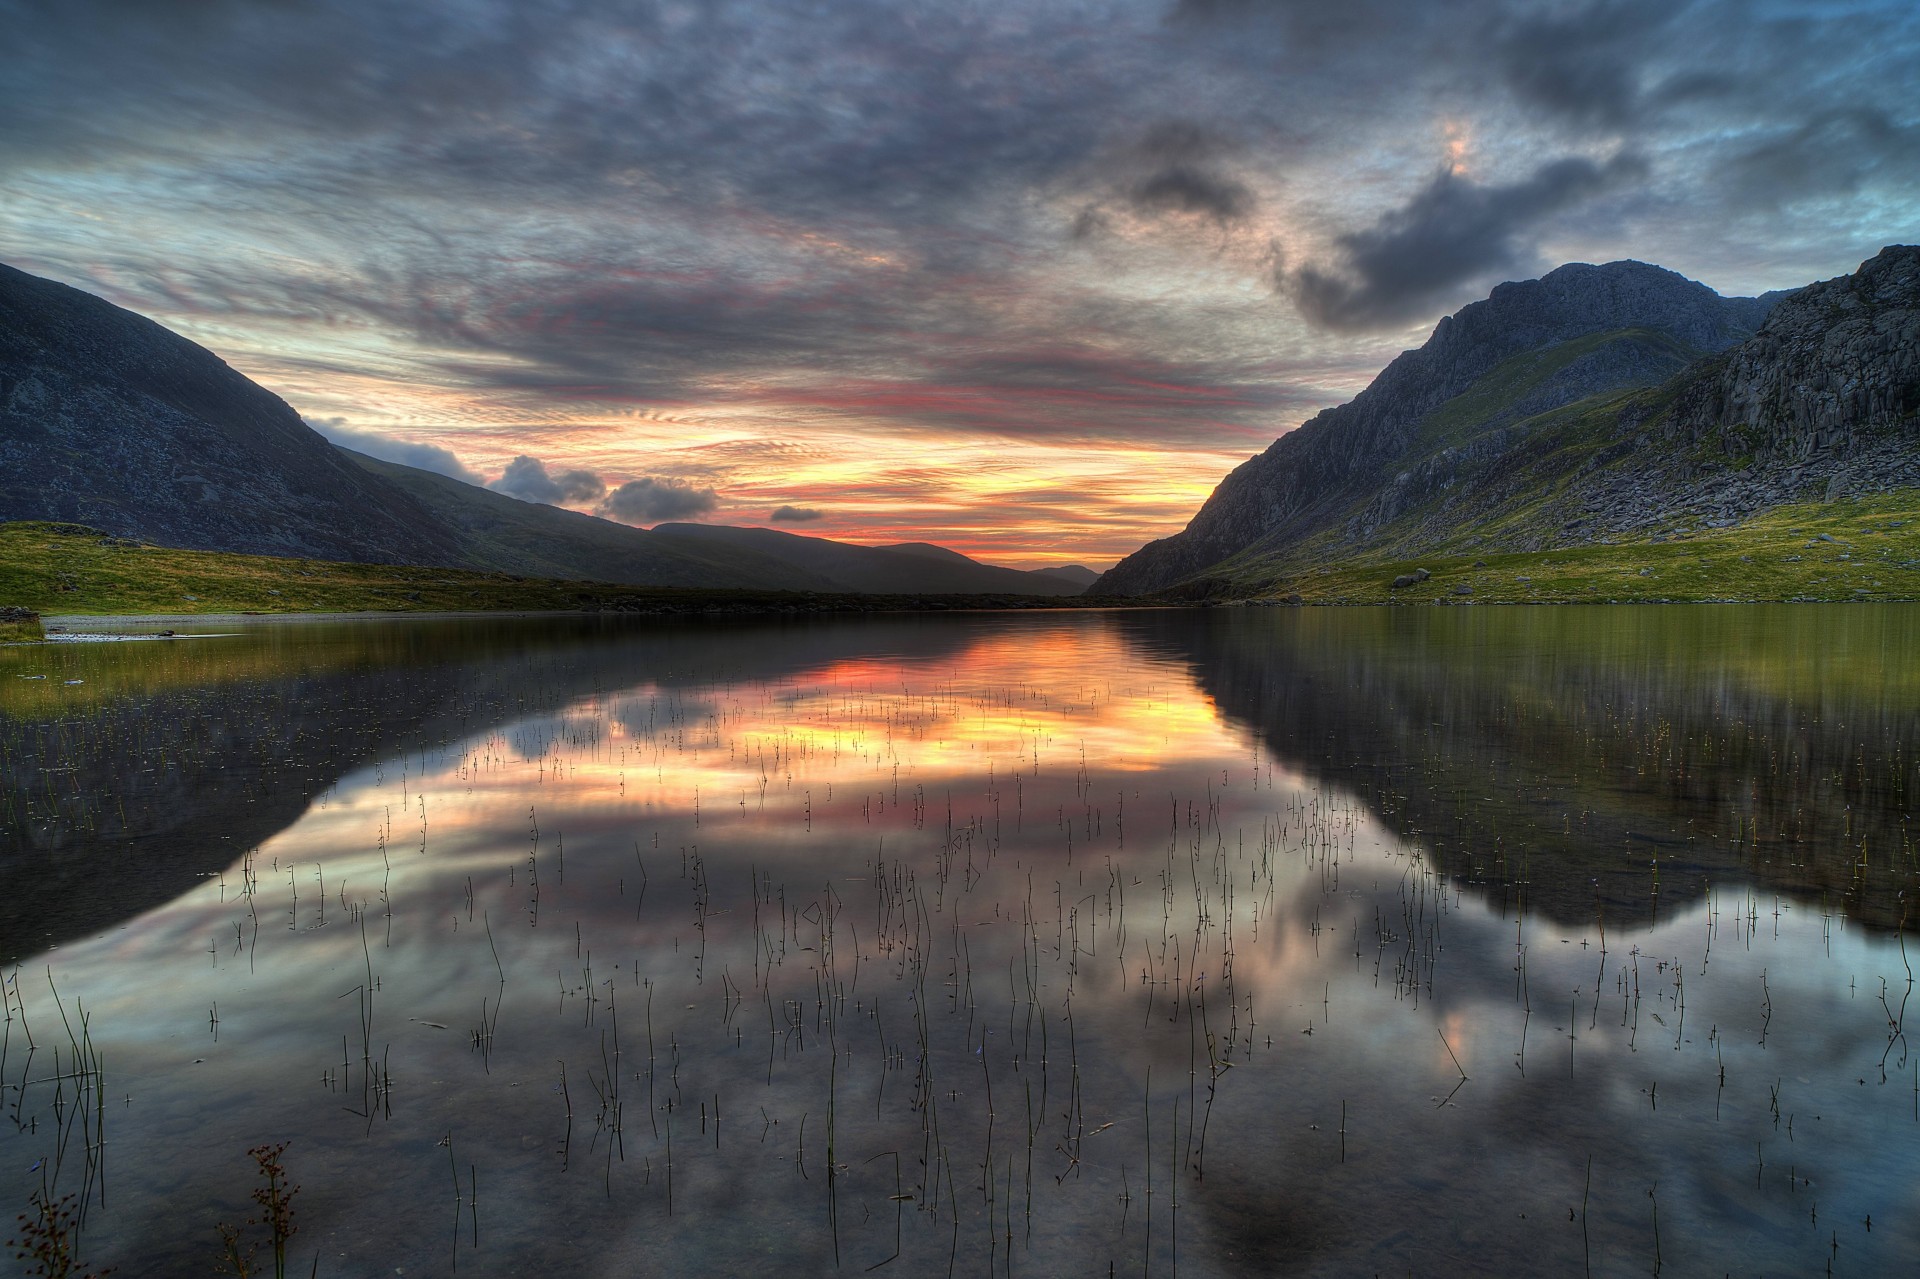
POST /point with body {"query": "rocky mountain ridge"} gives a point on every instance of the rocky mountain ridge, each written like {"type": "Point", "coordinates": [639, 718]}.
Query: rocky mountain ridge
{"type": "Point", "coordinates": [1456, 403]}
{"type": "Point", "coordinates": [1818, 404]}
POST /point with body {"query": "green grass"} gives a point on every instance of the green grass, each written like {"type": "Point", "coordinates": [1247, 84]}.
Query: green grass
{"type": "Point", "coordinates": [1466, 415]}
{"type": "Point", "coordinates": [1874, 554]}
{"type": "Point", "coordinates": [71, 569]}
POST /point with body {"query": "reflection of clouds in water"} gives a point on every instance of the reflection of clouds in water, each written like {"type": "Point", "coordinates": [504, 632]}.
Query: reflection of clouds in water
{"type": "Point", "coordinates": [899, 883]}
{"type": "Point", "coordinates": [649, 712]}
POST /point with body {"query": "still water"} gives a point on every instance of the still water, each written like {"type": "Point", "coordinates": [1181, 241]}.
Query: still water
{"type": "Point", "coordinates": [1211, 942]}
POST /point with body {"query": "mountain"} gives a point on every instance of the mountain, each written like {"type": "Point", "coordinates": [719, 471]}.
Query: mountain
{"type": "Point", "coordinates": [1078, 577]}
{"type": "Point", "coordinates": [108, 419]}
{"type": "Point", "coordinates": [1513, 400]}
{"type": "Point", "coordinates": [1074, 573]}
{"type": "Point", "coordinates": [913, 568]}
{"type": "Point", "coordinates": [491, 530]}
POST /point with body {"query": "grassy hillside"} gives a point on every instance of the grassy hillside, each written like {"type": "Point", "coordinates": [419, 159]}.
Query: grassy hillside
{"type": "Point", "coordinates": [69, 568]}
{"type": "Point", "coordinates": [535, 540]}
{"type": "Point", "coordinates": [1853, 549]}
{"type": "Point", "coordinates": [1513, 381]}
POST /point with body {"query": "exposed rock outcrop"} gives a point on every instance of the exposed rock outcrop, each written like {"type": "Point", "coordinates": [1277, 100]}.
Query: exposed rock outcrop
{"type": "Point", "coordinates": [1831, 370]}
{"type": "Point", "coordinates": [1313, 478]}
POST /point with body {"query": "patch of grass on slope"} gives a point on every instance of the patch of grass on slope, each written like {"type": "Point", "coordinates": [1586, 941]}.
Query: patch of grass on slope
{"type": "Point", "coordinates": [69, 568]}
{"type": "Point", "coordinates": [1855, 549]}
{"type": "Point", "coordinates": [1513, 379]}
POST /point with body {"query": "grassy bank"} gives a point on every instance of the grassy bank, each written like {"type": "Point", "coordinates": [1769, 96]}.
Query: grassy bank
{"type": "Point", "coordinates": [1854, 549]}
{"type": "Point", "coordinates": [71, 569]}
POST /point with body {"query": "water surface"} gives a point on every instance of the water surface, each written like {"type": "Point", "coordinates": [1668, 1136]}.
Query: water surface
{"type": "Point", "coordinates": [1224, 941]}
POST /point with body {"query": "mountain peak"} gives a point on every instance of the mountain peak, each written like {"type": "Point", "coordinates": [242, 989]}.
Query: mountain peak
{"type": "Point", "coordinates": [1321, 474]}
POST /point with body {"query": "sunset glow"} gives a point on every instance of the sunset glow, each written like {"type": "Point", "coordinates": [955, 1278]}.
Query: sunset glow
{"type": "Point", "coordinates": [1024, 280]}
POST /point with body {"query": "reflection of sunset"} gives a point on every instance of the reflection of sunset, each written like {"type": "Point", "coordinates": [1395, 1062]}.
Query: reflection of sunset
{"type": "Point", "coordinates": [966, 884]}
{"type": "Point", "coordinates": [843, 745]}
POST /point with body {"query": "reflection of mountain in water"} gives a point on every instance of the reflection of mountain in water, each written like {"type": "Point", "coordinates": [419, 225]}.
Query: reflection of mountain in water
{"type": "Point", "coordinates": [1550, 754]}
{"type": "Point", "coordinates": [1553, 755]}
{"type": "Point", "coordinates": [203, 750]}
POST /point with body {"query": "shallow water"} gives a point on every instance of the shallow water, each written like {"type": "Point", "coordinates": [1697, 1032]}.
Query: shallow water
{"type": "Point", "coordinates": [1225, 941]}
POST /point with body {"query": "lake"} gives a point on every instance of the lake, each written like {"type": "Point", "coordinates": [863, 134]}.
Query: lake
{"type": "Point", "coordinates": [1219, 941]}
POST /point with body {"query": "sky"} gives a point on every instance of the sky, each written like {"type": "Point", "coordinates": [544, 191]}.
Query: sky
{"type": "Point", "coordinates": [1022, 278]}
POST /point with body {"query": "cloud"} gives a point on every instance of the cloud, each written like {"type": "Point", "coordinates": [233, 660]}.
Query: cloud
{"type": "Point", "coordinates": [549, 218]}
{"type": "Point", "coordinates": [1834, 153]}
{"type": "Point", "coordinates": [527, 479]}
{"type": "Point", "coordinates": [1587, 65]}
{"type": "Point", "coordinates": [427, 457]}
{"type": "Point", "coordinates": [794, 515]}
{"type": "Point", "coordinates": [1454, 232]}
{"type": "Point", "coordinates": [1176, 168]}
{"type": "Point", "coordinates": [649, 500]}
{"type": "Point", "coordinates": [1184, 172]}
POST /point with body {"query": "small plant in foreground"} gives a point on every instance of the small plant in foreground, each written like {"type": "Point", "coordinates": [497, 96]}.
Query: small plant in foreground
{"type": "Point", "coordinates": [49, 1240]}
{"type": "Point", "coordinates": [276, 1207]}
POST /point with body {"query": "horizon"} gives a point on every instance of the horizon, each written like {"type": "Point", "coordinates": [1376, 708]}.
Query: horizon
{"type": "Point", "coordinates": [1020, 281]}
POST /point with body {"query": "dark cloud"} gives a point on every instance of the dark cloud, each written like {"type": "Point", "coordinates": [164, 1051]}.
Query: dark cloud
{"type": "Point", "coordinates": [1185, 188]}
{"type": "Point", "coordinates": [527, 479]}
{"type": "Point", "coordinates": [649, 500]}
{"type": "Point", "coordinates": [794, 515]}
{"type": "Point", "coordinates": [1317, 27]}
{"type": "Point", "coordinates": [1175, 168]}
{"type": "Point", "coordinates": [557, 211]}
{"type": "Point", "coordinates": [1185, 173]}
{"type": "Point", "coordinates": [427, 457]}
{"type": "Point", "coordinates": [1834, 153]}
{"type": "Point", "coordinates": [1453, 233]}
{"type": "Point", "coordinates": [1588, 64]}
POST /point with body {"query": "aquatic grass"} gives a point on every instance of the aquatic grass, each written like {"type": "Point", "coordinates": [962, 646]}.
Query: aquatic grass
{"type": "Point", "coordinates": [878, 879]}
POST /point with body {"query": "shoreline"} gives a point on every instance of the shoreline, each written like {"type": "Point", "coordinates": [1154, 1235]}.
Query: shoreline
{"type": "Point", "coordinates": [70, 627]}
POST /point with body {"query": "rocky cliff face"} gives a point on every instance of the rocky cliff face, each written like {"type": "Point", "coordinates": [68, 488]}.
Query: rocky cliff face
{"type": "Point", "coordinates": [1326, 473]}
{"type": "Point", "coordinates": [110, 420]}
{"type": "Point", "coordinates": [1832, 370]}
{"type": "Point", "coordinates": [1822, 402]}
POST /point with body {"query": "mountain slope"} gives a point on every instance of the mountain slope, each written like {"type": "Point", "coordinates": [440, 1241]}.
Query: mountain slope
{"type": "Point", "coordinates": [1822, 403]}
{"type": "Point", "coordinates": [504, 534]}
{"type": "Point", "coordinates": [1079, 574]}
{"type": "Point", "coordinates": [914, 568]}
{"type": "Point", "coordinates": [108, 419]}
{"type": "Point", "coordinates": [1043, 581]}
{"type": "Point", "coordinates": [1529, 348]}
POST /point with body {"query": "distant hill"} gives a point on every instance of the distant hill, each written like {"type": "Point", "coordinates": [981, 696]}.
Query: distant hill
{"type": "Point", "coordinates": [1073, 573]}
{"type": "Point", "coordinates": [111, 421]}
{"type": "Point", "coordinates": [1553, 414]}
{"type": "Point", "coordinates": [505, 534]}
{"type": "Point", "coordinates": [916, 567]}
{"type": "Point", "coordinates": [1045, 580]}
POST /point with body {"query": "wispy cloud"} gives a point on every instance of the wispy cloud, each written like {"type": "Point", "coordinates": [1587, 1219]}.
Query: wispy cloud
{"type": "Point", "coordinates": [606, 234]}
